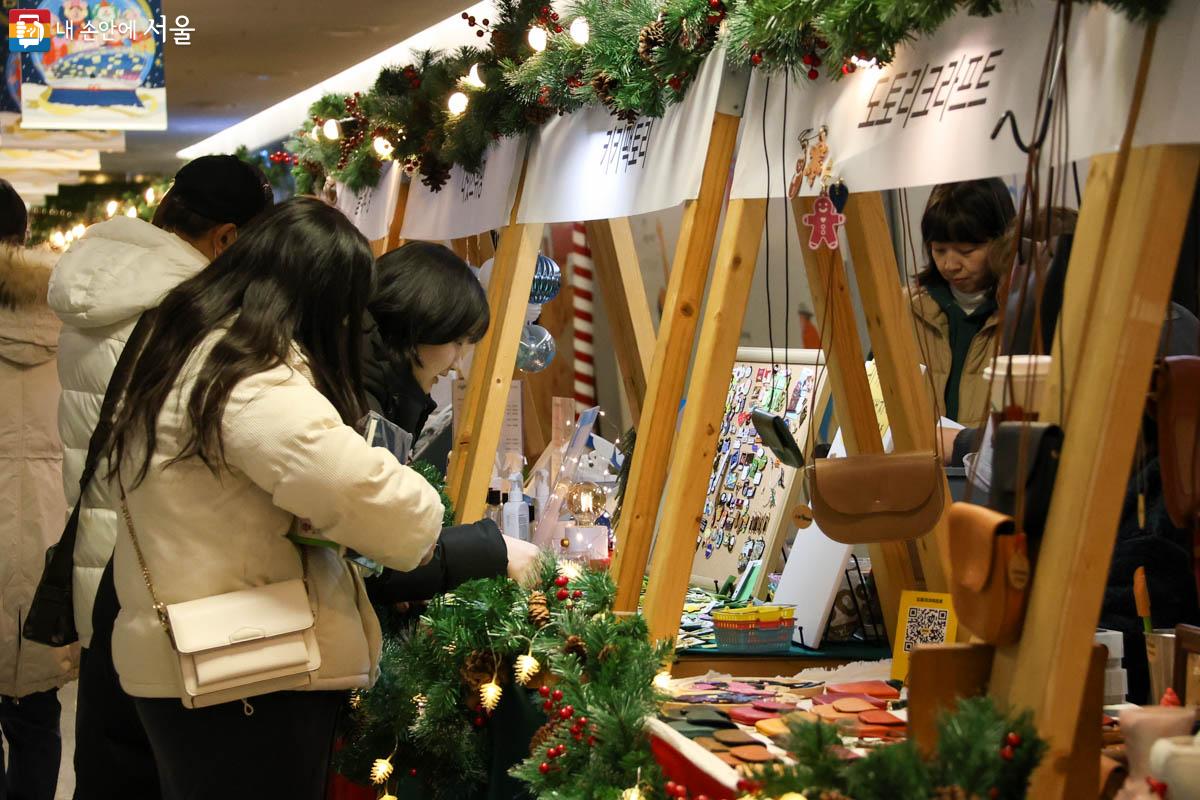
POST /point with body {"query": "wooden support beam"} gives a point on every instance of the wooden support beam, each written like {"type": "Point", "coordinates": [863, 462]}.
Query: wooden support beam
{"type": "Point", "coordinates": [672, 352]}
{"type": "Point", "coordinates": [459, 246]}
{"type": "Point", "coordinates": [619, 277]}
{"type": "Point", "coordinates": [472, 257]}
{"type": "Point", "coordinates": [898, 357]}
{"type": "Point", "coordinates": [393, 236]}
{"type": "Point", "coordinates": [1087, 252]}
{"type": "Point", "coordinates": [698, 433]}
{"type": "Point", "coordinates": [890, 561]}
{"type": "Point", "coordinates": [488, 384]}
{"type": "Point", "coordinates": [1044, 670]}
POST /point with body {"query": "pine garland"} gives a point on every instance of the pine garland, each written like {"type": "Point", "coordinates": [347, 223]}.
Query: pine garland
{"type": "Point", "coordinates": [425, 710]}
{"type": "Point", "coordinates": [641, 56]}
{"type": "Point", "coordinates": [981, 754]}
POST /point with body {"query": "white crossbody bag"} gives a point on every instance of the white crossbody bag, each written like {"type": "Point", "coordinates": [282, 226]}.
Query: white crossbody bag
{"type": "Point", "coordinates": [240, 644]}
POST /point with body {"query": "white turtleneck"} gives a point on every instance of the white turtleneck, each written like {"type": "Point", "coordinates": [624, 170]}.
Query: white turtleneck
{"type": "Point", "coordinates": [969, 301]}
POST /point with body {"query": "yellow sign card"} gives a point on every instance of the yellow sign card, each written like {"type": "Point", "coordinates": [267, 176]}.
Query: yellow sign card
{"type": "Point", "coordinates": [925, 618]}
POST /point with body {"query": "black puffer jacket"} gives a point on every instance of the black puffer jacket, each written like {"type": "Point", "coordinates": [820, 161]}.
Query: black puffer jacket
{"type": "Point", "coordinates": [463, 552]}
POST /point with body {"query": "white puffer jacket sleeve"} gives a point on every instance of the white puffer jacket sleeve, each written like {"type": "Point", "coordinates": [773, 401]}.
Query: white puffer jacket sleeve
{"type": "Point", "coordinates": [287, 438]}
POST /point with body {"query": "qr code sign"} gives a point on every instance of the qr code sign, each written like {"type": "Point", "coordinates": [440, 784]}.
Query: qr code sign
{"type": "Point", "coordinates": [925, 626]}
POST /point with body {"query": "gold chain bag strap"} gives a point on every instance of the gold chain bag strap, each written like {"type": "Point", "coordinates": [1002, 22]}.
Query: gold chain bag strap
{"type": "Point", "coordinates": [240, 644]}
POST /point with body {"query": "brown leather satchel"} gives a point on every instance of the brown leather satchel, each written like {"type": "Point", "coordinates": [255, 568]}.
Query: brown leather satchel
{"type": "Point", "coordinates": [991, 572]}
{"type": "Point", "coordinates": [877, 498]}
{"type": "Point", "coordinates": [1177, 392]}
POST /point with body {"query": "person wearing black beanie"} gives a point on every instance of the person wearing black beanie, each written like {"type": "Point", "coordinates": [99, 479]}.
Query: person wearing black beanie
{"type": "Point", "coordinates": [99, 288]}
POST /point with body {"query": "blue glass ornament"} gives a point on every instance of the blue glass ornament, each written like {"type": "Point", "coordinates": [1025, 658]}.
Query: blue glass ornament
{"type": "Point", "coordinates": [536, 349]}
{"type": "Point", "coordinates": [547, 280]}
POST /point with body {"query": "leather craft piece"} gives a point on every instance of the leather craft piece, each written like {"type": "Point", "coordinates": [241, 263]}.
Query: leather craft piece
{"type": "Point", "coordinates": [729, 759]}
{"type": "Point", "coordinates": [745, 688]}
{"type": "Point", "coordinates": [829, 699]}
{"type": "Point", "coordinates": [990, 577]}
{"type": "Point", "coordinates": [672, 714]}
{"type": "Point", "coordinates": [710, 744]}
{"type": "Point", "coordinates": [878, 689]}
{"type": "Point", "coordinates": [878, 732]}
{"type": "Point", "coordinates": [1025, 458]}
{"type": "Point", "coordinates": [734, 737]}
{"type": "Point", "coordinates": [749, 716]}
{"type": "Point", "coordinates": [802, 716]}
{"type": "Point", "coordinates": [708, 717]}
{"type": "Point", "coordinates": [753, 753]}
{"type": "Point", "coordinates": [802, 691]}
{"type": "Point", "coordinates": [877, 498]}
{"type": "Point", "coordinates": [878, 717]}
{"type": "Point", "coordinates": [774, 705]}
{"type": "Point", "coordinates": [828, 712]}
{"type": "Point", "coordinates": [689, 730]}
{"type": "Point", "coordinates": [853, 705]}
{"type": "Point", "coordinates": [774, 727]}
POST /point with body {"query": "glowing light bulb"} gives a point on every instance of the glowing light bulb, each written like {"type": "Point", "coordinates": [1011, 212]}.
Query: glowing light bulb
{"type": "Point", "coordinates": [383, 148]}
{"type": "Point", "coordinates": [111, 208]}
{"type": "Point", "coordinates": [315, 134]}
{"type": "Point", "coordinates": [150, 195]}
{"type": "Point", "coordinates": [131, 212]}
{"type": "Point", "coordinates": [58, 240]}
{"type": "Point", "coordinates": [78, 230]}
{"type": "Point", "coordinates": [332, 130]}
{"type": "Point", "coordinates": [457, 103]}
{"type": "Point", "coordinates": [537, 38]}
{"type": "Point", "coordinates": [580, 30]}
{"type": "Point", "coordinates": [472, 79]}
{"type": "Point", "coordinates": [662, 681]}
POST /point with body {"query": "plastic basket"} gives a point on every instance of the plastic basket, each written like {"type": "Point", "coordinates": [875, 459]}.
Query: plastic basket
{"type": "Point", "coordinates": [758, 629]}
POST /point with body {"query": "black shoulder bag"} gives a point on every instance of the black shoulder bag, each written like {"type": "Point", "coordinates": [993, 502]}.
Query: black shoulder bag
{"type": "Point", "coordinates": [51, 617]}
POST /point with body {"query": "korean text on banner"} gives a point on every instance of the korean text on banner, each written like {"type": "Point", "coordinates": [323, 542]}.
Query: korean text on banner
{"type": "Point", "coordinates": [928, 116]}
{"type": "Point", "coordinates": [591, 165]}
{"type": "Point", "coordinates": [467, 204]}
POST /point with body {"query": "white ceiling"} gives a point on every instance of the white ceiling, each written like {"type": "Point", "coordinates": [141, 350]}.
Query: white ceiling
{"type": "Point", "coordinates": [247, 55]}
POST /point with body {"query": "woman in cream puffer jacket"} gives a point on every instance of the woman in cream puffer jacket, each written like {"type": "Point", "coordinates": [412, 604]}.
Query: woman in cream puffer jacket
{"type": "Point", "coordinates": [235, 426]}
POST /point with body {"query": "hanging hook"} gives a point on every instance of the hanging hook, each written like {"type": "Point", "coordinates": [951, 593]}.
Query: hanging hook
{"type": "Point", "coordinates": [1011, 118]}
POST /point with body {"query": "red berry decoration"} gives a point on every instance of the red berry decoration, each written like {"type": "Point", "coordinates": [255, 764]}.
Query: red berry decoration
{"type": "Point", "coordinates": [547, 706]}
{"type": "Point", "coordinates": [565, 712]}
{"type": "Point", "coordinates": [544, 768]}
{"type": "Point", "coordinates": [551, 752]}
{"type": "Point", "coordinates": [415, 83]}
{"type": "Point", "coordinates": [1013, 739]}
{"type": "Point", "coordinates": [591, 741]}
{"type": "Point", "coordinates": [713, 19]}
{"type": "Point", "coordinates": [671, 788]}
{"type": "Point", "coordinates": [412, 773]}
{"type": "Point", "coordinates": [485, 22]}
{"type": "Point", "coordinates": [544, 691]}
{"type": "Point", "coordinates": [581, 721]}
{"type": "Point", "coordinates": [562, 594]}
{"type": "Point", "coordinates": [675, 84]}
{"type": "Point", "coordinates": [714, 3]}
{"type": "Point", "coordinates": [1006, 753]}
{"type": "Point", "coordinates": [479, 721]}
{"type": "Point", "coordinates": [465, 15]}
{"type": "Point", "coordinates": [847, 69]}
{"type": "Point", "coordinates": [561, 580]}
{"type": "Point", "coordinates": [558, 695]}
{"type": "Point", "coordinates": [808, 59]}
{"type": "Point", "coordinates": [562, 750]}
{"type": "Point", "coordinates": [756, 59]}
{"type": "Point", "coordinates": [813, 74]}
{"type": "Point", "coordinates": [479, 34]}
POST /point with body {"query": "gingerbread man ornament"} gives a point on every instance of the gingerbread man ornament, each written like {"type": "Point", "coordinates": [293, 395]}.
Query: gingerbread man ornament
{"type": "Point", "coordinates": [823, 223]}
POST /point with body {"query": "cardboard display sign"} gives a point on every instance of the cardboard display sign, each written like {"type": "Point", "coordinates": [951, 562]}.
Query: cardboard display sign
{"type": "Point", "coordinates": [928, 116]}
{"type": "Point", "coordinates": [591, 165]}
{"type": "Point", "coordinates": [467, 204]}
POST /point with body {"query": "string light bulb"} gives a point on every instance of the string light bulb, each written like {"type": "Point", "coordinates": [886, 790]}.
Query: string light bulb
{"type": "Point", "coordinates": [381, 770]}
{"type": "Point", "coordinates": [111, 208]}
{"type": "Point", "coordinates": [537, 38]}
{"type": "Point", "coordinates": [472, 78]}
{"type": "Point", "coordinates": [457, 103]}
{"type": "Point", "coordinates": [79, 230]}
{"type": "Point", "coordinates": [525, 667]}
{"type": "Point", "coordinates": [489, 695]}
{"type": "Point", "coordinates": [383, 148]}
{"type": "Point", "coordinates": [58, 239]}
{"type": "Point", "coordinates": [131, 212]}
{"type": "Point", "coordinates": [662, 681]}
{"type": "Point", "coordinates": [580, 30]}
{"type": "Point", "coordinates": [315, 134]}
{"type": "Point", "coordinates": [150, 195]}
{"type": "Point", "coordinates": [332, 130]}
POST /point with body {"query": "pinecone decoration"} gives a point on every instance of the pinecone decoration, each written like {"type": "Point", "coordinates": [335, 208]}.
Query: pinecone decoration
{"type": "Point", "coordinates": [539, 612]}
{"type": "Point", "coordinates": [434, 173]}
{"type": "Point", "coordinates": [541, 736]}
{"type": "Point", "coordinates": [603, 85]}
{"type": "Point", "coordinates": [651, 37]}
{"type": "Point", "coordinates": [605, 652]}
{"type": "Point", "coordinates": [478, 669]}
{"type": "Point", "coordinates": [951, 793]}
{"type": "Point", "coordinates": [575, 647]}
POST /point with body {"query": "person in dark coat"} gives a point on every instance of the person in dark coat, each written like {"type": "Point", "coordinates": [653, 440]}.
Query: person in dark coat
{"type": "Point", "coordinates": [427, 309]}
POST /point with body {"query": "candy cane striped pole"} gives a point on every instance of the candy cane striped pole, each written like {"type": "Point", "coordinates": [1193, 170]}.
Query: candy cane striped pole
{"type": "Point", "coordinates": [579, 262]}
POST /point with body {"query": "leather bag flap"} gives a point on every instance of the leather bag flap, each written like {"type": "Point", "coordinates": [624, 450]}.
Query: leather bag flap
{"type": "Point", "coordinates": [877, 483]}
{"type": "Point", "coordinates": [1042, 436]}
{"type": "Point", "coordinates": [243, 616]}
{"type": "Point", "coordinates": [973, 531]}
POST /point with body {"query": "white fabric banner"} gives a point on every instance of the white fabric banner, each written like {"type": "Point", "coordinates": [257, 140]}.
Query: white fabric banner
{"type": "Point", "coordinates": [372, 208]}
{"type": "Point", "coordinates": [928, 116]}
{"type": "Point", "coordinates": [590, 165]}
{"type": "Point", "coordinates": [467, 204]}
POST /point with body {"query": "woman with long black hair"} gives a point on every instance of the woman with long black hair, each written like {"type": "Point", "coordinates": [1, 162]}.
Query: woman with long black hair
{"type": "Point", "coordinates": [236, 422]}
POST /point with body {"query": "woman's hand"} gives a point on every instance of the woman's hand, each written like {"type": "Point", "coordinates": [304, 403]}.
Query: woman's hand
{"type": "Point", "coordinates": [522, 559]}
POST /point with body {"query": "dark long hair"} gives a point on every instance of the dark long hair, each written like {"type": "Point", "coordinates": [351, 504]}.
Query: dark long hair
{"type": "Point", "coordinates": [425, 294]}
{"type": "Point", "coordinates": [301, 274]}
{"type": "Point", "coordinates": [968, 211]}
{"type": "Point", "coordinates": [14, 219]}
